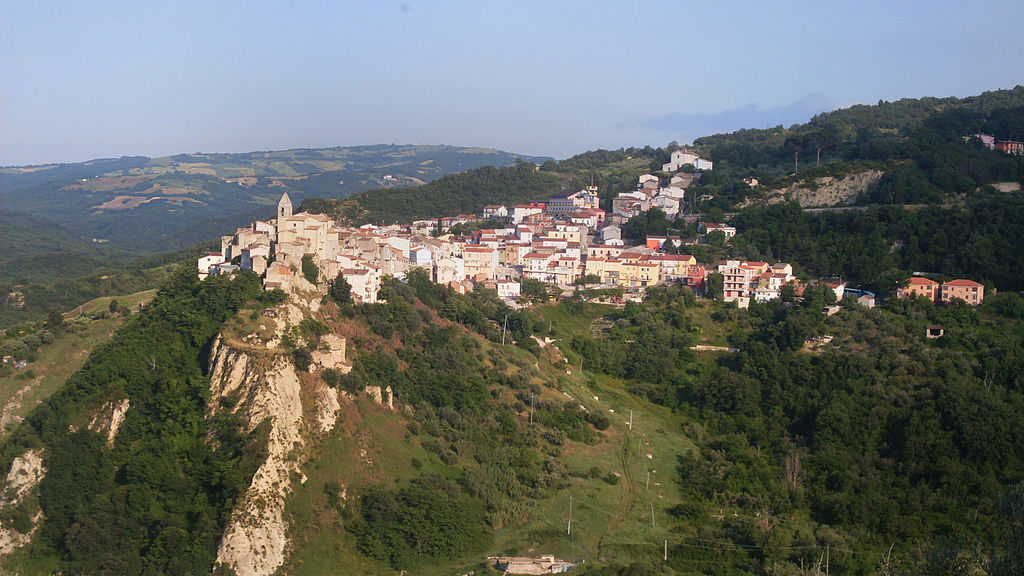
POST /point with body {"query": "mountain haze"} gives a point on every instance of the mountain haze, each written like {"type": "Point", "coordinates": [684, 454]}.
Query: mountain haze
{"type": "Point", "coordinates": [239, 431]}
{"type": "Point", "coordinates": [161, 204]}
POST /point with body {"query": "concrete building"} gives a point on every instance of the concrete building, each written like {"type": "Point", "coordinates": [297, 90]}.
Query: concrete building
{"type": "Point", "coordinates": [920, 286]}
{"type": "Point", "coordinates": [683, 157]}
{"type": "Point", "coordinates": [967, 290]}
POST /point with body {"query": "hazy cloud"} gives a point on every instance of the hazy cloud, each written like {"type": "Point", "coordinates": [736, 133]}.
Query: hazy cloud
{"type": "Point", "coordinates": [696, 124]}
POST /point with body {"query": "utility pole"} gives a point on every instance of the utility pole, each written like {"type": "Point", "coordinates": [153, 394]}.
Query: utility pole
{"type": "Point", "coordinates": [504, 326]}
{"type": "Point", "coordinates": [569, 529]}
{"type": "Point", "coordinates": [531, 408]}
{"type": "Point", "coordinates": [630, 420]}
{"type": "Point", "coordinates": [647, 486]}
{"type": "Point", "coordinates": [652, 514]}
{"type": "Point", "coordinates": [666, 550]}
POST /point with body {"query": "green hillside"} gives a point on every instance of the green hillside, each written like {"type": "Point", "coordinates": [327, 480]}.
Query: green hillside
{"type": "Point", "coordinates": [468, 192]}
{"type": "Point", "coordinates": [160, 204]}
{"type": "Point", "coordinates": [922, 145]}
{"type": "Point", "coordinates": [922, 148]}
{"type": "Point", "coordinates": [851, 443]}
{"type": "Point", "coordinates": [39, 250]}
{"type": "Point", "coordinates": [881, 445]}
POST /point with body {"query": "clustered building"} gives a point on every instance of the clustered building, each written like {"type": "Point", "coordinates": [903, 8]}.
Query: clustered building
{"type": "Point", "coordinates": [1012, 147]}
{"type": "Point", "coordinates": [649, 194]}
{"type": "Point", "coordinates": [758, 281]}
{"type": "Point", "coordinates": [967, 290]}
{"type": "Point", "coordinates": [558, 241]}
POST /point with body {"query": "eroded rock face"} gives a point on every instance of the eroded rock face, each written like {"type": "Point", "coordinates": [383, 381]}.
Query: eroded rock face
{"type": "Point", "coordinates": [26, 472]}
{"type": "Point", "coordinates": [266, 387]}
{"type": "Point", "coordinates": [109, 419]}
{"type": "Point", "coordinates": [825, 191]}
{"type": "Point", "coordinates": [327, 408]}
{"type": "Point", "coordinates": [255, 541]}
{"type": "Point", "coordinates": [383, 397]}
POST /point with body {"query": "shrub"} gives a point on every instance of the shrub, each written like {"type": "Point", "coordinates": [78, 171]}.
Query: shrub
{"type": "Point", "coordinates": [302, 358]}
{"type": "Point", "coordinates": [331, 377]}
{"type": "Point", "coordinates": [310, 271]}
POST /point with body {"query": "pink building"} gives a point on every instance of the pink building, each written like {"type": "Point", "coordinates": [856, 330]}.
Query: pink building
{"type": "Point", "coordinates": [740, 278]}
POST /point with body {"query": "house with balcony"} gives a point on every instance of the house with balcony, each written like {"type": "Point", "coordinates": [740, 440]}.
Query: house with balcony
{"type": "Point", "coordinates": [740, 279]}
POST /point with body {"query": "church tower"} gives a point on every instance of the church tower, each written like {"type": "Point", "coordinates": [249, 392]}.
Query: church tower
{"type": "Point", "coordinates": [284, 208]}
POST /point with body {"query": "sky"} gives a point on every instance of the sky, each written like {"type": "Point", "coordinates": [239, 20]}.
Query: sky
{"type": "Point", "coordinates": [81, 80]}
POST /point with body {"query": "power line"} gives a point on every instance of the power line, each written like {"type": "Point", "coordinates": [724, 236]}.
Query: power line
{"type": "Point", "coordinates": [707, 544]}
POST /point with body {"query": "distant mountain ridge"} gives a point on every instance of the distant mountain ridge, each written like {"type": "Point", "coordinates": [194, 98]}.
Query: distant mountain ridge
{"type": "Point", "coordinates": [159, 204]}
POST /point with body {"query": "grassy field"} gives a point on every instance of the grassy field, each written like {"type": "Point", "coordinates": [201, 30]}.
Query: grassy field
{"type": "Point", "coordinates": [615, 483]}
{"type": "Point", "coordinates": [21, 391]}
{"type": "Point", "coordinates": [621, 481]}
{"type": "Point", "coordinates": [100, 305]}
{"type": "Point", "coordinates": [709, 332]}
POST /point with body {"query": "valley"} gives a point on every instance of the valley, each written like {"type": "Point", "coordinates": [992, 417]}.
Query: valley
{"type": "Point", "coordinates": [718, 378]}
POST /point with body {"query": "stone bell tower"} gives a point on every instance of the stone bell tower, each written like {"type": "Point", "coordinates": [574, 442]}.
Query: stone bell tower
{"type": "Point", "coordinates": [284, 208]}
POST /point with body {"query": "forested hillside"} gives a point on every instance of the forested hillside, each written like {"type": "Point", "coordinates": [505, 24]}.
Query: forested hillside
{"type": "Point", "coordinates": [882, 440]}
{"type": "Point", "coordinates": [156, 500]}
{"type": "Point", "coordinates": [37, 290]}
{"type": "Point", "coordinates": [790, 442]}
{"type": "Point", "coordinates": [152, 495]}
{"type": "Point", "coordinates": [882, 245]}
{"type": "Point", "coordinates": [450, 195]}
{"type": "Point", "coordinates": [30, 240]}
{"type": "Point", "coordinates": [160, 204]}
{"type": "Point", "coordinates": [885, 448]}
{"type": "Point", "coordinates": [923, 146]}
{"type": "Point", "coordinates": [612, 171]}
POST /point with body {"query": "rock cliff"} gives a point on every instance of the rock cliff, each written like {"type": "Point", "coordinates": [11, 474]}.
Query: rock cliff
{"type": "Point", "coordinates": [22, 480]}
{"type": "Point", "coordinates": [263, 385]}
{"type": "Point", "coordinates": [821, 192]}
{"type": "Point", "coordinates": [256, 538]}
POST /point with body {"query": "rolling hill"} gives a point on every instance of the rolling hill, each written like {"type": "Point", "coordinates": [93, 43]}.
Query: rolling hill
{"type": "Point", "coordinates": [160, 204]}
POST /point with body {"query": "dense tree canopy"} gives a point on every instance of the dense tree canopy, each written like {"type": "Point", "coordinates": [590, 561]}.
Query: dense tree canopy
{"type": "Point", "coordinates": [886, 437]}
{"type": "Point", "coordinates": [879, 246]}
{"type": "Point", "coordinates": [157, 501]}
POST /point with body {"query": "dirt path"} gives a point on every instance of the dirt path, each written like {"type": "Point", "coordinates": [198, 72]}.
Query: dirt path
{"type": "Point", "coordinates": [627, 505]}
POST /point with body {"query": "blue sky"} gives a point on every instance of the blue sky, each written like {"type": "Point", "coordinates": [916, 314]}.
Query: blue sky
{"type": "Point", "coordinates": [83, 80]}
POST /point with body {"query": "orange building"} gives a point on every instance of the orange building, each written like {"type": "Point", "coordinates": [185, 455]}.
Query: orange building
{"type": "Point", "coordinates": [966, 290]}
{"type": "Point", "coordinates": [1011, 147]}
{"type": "Point", "coordinates": [919, 286]}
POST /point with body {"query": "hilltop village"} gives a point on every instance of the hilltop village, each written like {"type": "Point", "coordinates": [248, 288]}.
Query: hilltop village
{"type": "Point", "coordinates": [564, 241]}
